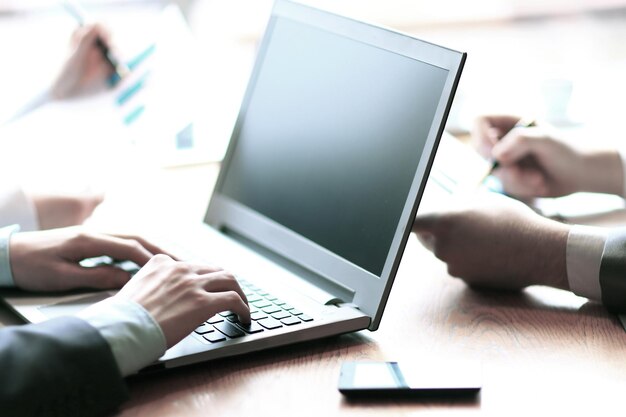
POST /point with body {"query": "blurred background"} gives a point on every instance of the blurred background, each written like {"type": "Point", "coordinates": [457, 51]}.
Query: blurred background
{"type": "Point", "coordinates": [557, 59]}
{"type": "Point", "coordinates": [563, 61]}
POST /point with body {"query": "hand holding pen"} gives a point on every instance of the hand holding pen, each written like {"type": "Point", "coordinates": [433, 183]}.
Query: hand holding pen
{"type": "Point", "coordinates": [75, 9]}
{"type": "Point", "coordinates": [532, 161]}
{"type": "Point", "coordinates": [85, 71]}
{"type": "Point", "coordinates": [494, 134]}
{"type": "Point", "coordinates": [538, 162]}
{"type": "Point", "coordinates": [91, 64]}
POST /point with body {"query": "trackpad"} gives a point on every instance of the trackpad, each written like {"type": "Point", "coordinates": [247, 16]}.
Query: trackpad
{"type": "Point", "coordinates": [70, 308]}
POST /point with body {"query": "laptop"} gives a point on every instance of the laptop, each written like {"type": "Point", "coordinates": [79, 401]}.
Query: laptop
{"type": "Point", "coordinates": [319, 187]}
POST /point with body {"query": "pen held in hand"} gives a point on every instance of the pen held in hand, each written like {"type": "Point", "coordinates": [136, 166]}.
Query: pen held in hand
{"type": "Point", "coordinates": [521, 123]}
{"type": "Point", "coordinates": [75, 9]}
{"type": "Point", "coordinates": [121, 70]}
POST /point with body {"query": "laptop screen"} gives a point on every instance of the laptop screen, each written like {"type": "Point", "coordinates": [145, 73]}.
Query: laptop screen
{"type": "Point", "coordinates": [331, 139]}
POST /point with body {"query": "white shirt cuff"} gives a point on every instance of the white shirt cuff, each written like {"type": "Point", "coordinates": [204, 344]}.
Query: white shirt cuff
{"type": "Point", "coordinates": [585, 245]}
{"type": "Point", "coordinates": [17, 208]}
{"type": "Point", "coordinates": [6, 275]}
{"type": "Point", "coordinates": [135, 338]}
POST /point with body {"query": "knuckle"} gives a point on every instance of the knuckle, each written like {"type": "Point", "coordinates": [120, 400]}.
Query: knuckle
{"type": "Point", "coordinates": [454, 271]}
{"type": "Point", "coordinates": [439, 253]}
{"type": "Point", "coordinates": [213, 268]}
{"type": "Point", "coordinates": [183, 269]}
{"type": "Point", "coordinates": [134, 244]}
{"type": "Point", "coordinates": [82, 237]}
{"type": "Point", "coordinates": [232, 297]}
{"type": "Point", "coordinates": [520, 139]}
{"type": "Point", "coordinates": [185, 283]}
{"type": "Point", "coordinates": [200, 299]}
{"type": "Point", "coordinates": [161, 258]}
{"type": "Point", "coordinates": [442, 250]}
{"type": "Point", "coordinates": [228, 275]}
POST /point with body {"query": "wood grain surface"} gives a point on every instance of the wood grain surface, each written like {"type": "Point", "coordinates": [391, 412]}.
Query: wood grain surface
{"type": "Point", "coordinates": [541, 350]}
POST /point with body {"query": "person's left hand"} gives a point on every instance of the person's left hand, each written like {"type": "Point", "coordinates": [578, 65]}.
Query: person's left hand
{"type": "Point", "coordinates": [54, 211]}
{"type": "Point", "coordinates": [497, 243]}
{"type": "Point", "coordinates": [49, 260]}
{"type": "Point", "coordinates": [86, 70]}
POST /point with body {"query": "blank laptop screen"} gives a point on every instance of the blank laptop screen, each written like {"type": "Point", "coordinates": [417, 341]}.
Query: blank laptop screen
{"type": "Point", "coordinates": [331, 138]}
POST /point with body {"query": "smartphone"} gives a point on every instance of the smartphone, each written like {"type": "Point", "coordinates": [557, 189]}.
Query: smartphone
{"type": "Point", "coordinates": [392, 379]}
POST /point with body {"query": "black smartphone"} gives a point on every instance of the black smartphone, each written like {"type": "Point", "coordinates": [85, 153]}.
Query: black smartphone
{"type": "Point", "coordinates": [393, 380]}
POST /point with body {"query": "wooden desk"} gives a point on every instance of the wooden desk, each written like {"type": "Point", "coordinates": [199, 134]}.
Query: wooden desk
{"type": "Point", "coordinates": [542, 350]}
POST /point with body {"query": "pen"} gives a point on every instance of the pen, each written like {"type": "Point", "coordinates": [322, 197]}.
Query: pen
{"type": "Point", "coordinates": [80, 15]}
{"type": "Point", "coordinates": [524, 122]}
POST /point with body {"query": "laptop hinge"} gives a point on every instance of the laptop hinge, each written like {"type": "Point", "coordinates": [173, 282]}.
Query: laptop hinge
{"type": "Point", "coordinates": [347, 305]}
{"type": "Point", "coordinates": [320, 288]}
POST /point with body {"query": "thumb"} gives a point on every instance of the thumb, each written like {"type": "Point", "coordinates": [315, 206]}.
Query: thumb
{"type": "Point", "coordinates": [100, 277]}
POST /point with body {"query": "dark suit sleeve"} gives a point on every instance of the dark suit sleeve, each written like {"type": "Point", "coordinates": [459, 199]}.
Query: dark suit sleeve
{"type": "Point", "coordinates": [62, 367]}
{"type": "Point", "coordinates": [613, 271]}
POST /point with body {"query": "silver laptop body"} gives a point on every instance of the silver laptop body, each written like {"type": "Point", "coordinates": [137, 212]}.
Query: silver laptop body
{"type": "Point", "coordinates": [322, 179]}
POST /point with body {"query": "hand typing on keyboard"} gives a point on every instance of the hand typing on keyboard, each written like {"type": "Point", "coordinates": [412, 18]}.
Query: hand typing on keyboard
{"type": "Point", "coordinates": [266, 311]}
{"type": "Point", "coordinates": [181, 295]}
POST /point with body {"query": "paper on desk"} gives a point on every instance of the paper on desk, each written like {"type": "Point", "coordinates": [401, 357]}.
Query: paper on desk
{"type": "Point", "coordinates": [87, 142]}
{"type": "Point", "coordinates": [458, 167]}
{"type": "Point", "coordinates": [457, 171]}
{"type": "Point", "coordinates": [165, 109]}
{"type": "Point", "coordinates": [67, 147]}
{"type": "Point", "coordinates": [164, 104]}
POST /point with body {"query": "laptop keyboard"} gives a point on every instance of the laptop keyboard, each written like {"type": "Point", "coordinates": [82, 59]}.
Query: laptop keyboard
{"type": "Point", "coordinates": [267, 313]}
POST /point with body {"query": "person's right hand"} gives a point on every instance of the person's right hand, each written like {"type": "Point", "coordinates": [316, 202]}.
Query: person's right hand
{"type": "Point", "coordinates": [180, 295]}
{"type": "Point", "coordinates": [533, 163]}
{"type": "Point", "coordinates": [85, 70]}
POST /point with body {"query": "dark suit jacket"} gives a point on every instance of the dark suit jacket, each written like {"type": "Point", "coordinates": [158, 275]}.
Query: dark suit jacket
{"type": "Point", "coordinates": [62, 367]}
{"type": "Point", "coordinates": [613, 271]}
